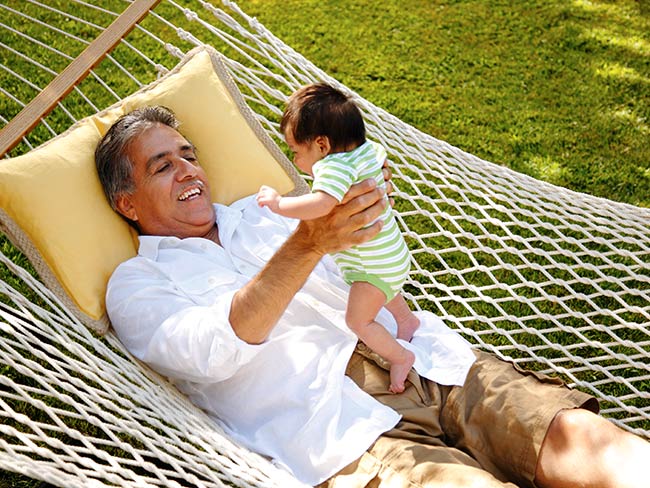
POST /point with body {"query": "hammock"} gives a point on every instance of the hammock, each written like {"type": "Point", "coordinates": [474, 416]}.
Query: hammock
{"type": "Point", "coordinates": [551, 279]}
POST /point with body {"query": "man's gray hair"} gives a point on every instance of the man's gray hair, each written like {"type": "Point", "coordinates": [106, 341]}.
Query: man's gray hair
{"type": "Point", "coordinates": [114, 167]}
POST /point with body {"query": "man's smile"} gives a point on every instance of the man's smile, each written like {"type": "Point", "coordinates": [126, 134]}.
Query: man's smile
{"type": "Point", "coordinates": [191, 192]}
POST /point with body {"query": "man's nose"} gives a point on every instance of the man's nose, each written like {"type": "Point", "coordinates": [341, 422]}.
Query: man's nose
{"type": "Point", "coordinates": [186, 169]}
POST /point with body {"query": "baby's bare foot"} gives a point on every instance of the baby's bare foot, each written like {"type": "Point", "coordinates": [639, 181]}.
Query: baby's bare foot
{"type": "Point", "coordinates": [399, 371]}
{"type": "Point", "coordinates": [407, 327]}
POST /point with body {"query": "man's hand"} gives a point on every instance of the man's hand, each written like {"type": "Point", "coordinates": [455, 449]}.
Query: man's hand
{"type": "Point", "coordinates": [348, 224]}
{"type": "Point", "coordinates": [268, 197]}
{"type": "Point", "coordinates": [388, 176]}
{"type": "Point", "coordinates": [257, 306]}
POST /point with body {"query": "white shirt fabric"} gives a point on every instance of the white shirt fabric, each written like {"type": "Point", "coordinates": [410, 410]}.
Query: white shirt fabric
{"type": "Point", "coordinates": [288, 398]}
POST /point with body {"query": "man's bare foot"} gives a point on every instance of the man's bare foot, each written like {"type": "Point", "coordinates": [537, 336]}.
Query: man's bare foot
{"type": "Point", "coordinates": [407, 327]}
{"type": "Point", "coordinates": [399, 371]}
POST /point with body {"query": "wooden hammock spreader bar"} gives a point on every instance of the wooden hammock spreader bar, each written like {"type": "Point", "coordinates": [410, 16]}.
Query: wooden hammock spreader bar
{"type": "Point", "coordinates": [76, 71]}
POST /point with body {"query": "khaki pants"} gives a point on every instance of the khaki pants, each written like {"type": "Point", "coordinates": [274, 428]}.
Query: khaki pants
{"type": "Point", "coordinates": [487, 433]}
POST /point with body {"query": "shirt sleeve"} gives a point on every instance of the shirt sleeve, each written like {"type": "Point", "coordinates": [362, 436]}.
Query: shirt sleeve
{"type": "Point", "coordinates": [160, 325]}
{"type": "Point", "coordinates": [333, 176]}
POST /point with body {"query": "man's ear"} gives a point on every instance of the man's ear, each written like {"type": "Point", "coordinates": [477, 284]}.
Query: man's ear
{"type": "Point", "coordinates": [324, 146]}
{"type": "Point", "coordinates": [125, 207]}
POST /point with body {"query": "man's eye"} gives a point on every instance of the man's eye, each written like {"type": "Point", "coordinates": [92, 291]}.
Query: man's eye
{"type": "Point", "coordinates": [162, 168]}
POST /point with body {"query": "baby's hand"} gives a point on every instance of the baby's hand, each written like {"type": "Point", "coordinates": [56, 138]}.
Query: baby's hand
{"type": "Point", "coordinates": [268, 197]}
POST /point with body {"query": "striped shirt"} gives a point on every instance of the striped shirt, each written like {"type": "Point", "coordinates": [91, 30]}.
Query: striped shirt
{"type": "Point", "coordinates": [385, 258]}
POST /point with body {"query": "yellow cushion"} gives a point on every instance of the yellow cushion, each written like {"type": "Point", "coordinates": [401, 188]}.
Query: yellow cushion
{"type": "Point", "coordinates": [53, 207]}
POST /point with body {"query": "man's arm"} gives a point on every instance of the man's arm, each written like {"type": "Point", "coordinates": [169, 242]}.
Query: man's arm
{"type": "Point", "coordinates": [257, 307]}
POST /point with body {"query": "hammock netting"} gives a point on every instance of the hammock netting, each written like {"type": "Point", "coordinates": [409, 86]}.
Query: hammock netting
{"type": "Point", "coordinates": [554, 280]}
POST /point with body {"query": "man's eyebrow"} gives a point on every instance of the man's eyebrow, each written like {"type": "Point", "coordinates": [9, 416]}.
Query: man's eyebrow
{"type": "Point", "coordinates": [156, 157]}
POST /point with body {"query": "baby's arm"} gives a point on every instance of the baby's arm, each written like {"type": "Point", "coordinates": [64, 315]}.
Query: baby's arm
{"type": "Point", "coordinates": [304, 207]}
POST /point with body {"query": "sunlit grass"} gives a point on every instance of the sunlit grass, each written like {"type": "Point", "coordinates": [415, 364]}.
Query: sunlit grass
{"type": "Point", "coordinates": [632, 43]}
{"type": "Point", "coordinates": [618, 71]}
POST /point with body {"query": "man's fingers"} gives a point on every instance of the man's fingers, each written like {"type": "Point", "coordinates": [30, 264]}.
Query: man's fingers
{"type": "Point", "coordinates": [349, 224]}
{"type": "Point", "coordinates": [367, 211]}
{"type": "Point", "coordinates": [358, 189]}
{"type": "Point", "coordinates": [367, 233]}
{"type": "Point", "coordinates": [364, 201]}
{"type": "Point", "coordinates": [388, 174]}
{"type": "Point", "coordinates": [388, 177]}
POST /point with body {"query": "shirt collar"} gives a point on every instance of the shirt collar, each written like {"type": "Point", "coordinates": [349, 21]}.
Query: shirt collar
{"type": "Point", "coordinates": [149, 245]}
{"type": "Point", "coordinates": [227, 219]}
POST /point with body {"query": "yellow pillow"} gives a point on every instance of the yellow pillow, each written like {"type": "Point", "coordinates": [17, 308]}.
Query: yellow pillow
{"type": "Point", "coordinates": [53, 207]}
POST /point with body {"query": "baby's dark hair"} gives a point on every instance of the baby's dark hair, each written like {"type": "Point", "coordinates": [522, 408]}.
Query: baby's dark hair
{"type": "Point", "coordinates": [321, 110]}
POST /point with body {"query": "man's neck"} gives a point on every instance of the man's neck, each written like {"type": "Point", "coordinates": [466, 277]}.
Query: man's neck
{"type": "Point", "coordinates": [213, 235]}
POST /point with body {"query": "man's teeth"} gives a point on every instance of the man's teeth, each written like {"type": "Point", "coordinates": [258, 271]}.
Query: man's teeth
{"type": "Point", "coordinates": [188, 193]}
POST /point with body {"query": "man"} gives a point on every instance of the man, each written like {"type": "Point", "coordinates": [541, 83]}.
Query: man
{"type": "Point", "coordinates": [244, 311]}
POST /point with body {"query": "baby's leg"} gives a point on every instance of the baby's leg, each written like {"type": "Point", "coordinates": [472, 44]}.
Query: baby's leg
{"type": "Point", "coordinates": [407, 322]}
{"type": "Point", "coordinates": [364, 303]}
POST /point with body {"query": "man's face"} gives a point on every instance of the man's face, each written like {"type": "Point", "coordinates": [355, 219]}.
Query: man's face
{"type": "Point", "coordinates": [171, 196]}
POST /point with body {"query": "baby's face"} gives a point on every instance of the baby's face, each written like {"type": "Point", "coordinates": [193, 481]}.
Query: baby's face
{"type": "Point", "coordinates": [305, 154]}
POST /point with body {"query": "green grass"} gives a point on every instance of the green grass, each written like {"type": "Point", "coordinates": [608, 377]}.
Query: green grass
{"type": "Point", "coordinates": [557, 89]}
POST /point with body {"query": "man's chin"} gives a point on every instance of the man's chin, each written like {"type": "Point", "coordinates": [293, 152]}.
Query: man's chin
{"type": "Point", "coordinates": [198, 205]}
{"type": "Point", "coordinates": [205, 221]}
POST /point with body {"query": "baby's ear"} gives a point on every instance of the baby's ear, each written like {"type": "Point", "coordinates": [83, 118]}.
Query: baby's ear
{"type": "Point", "coordinates": [323, 143]}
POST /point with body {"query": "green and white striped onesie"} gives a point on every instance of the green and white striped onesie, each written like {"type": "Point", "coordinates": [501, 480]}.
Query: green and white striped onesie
{"type": "Point", "coordinates": [384, 260]}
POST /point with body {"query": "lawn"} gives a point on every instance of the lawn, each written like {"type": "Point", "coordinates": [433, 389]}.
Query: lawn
{"type": "Point", "coordinates": [556, 89]}
{"type": "Point", "coordinates": [559, 90]}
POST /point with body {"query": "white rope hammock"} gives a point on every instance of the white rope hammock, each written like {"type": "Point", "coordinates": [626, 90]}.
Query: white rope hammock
{"type": "Point", "coordinates": [554, 280]}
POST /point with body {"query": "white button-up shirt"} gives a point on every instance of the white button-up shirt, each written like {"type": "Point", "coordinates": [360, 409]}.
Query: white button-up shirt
{"type": "Point", "coordinates": [287, 398]}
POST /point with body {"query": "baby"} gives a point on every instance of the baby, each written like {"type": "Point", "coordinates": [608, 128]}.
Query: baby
{"type": "Point", "coordinates": [326, 133]}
